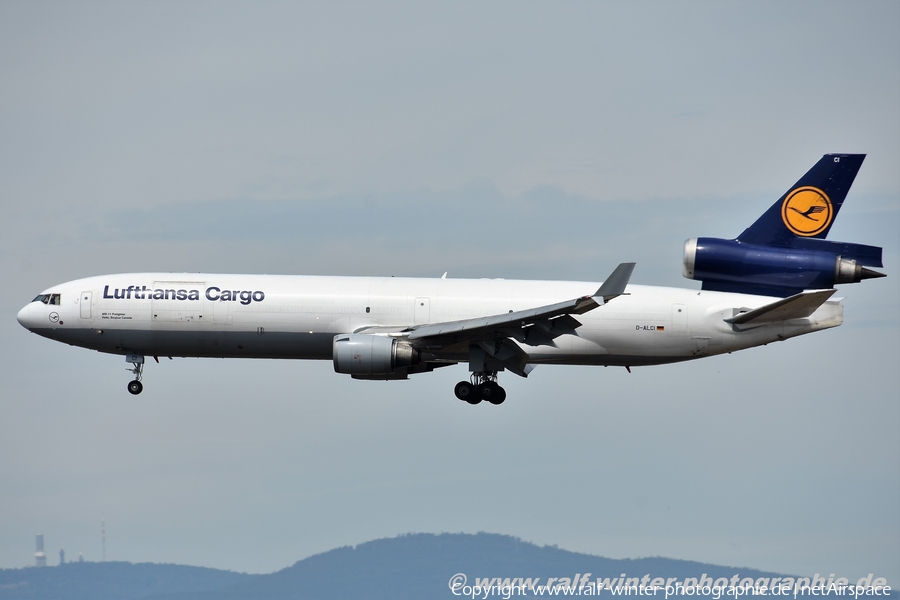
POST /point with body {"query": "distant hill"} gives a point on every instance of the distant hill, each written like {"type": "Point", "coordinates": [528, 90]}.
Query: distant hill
{"type": "Point", "coordinates": [415, 566]}
{"type": "Point", "coordinates": [111, 580]}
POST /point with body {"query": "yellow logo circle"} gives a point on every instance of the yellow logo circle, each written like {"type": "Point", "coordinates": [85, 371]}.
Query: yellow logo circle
{"type": "Point", "coordinates": [807, 211]}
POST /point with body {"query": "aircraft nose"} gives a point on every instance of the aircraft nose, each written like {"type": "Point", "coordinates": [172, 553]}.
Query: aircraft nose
{"type": "Point", "coordinates": [28, 317]}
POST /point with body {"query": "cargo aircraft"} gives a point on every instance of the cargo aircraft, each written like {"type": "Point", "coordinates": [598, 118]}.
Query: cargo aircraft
{"type": "Point", "coordinates": [773, 282]}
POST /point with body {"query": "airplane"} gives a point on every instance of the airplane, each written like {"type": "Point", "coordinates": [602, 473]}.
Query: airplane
{"type": "Point", "coordinates": [772, 282]}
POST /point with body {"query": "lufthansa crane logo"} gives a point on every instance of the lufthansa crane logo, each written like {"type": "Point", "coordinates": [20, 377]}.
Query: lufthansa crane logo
{"type": "Point", "coordinates": [807, 211]}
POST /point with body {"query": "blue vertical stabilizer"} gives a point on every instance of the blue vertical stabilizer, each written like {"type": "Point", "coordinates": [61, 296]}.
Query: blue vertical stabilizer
{"type": "Point", "coordinates": [810, 206]}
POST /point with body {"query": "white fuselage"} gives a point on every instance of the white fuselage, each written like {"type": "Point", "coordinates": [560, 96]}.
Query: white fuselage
{"type": "Point", "coordinates": [278, 316]}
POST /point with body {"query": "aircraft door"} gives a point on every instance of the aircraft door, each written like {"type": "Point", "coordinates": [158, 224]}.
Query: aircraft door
{"type": "Point", "coordinates": [86, 298]}
{"type": "Point", "coordinates": [679, 320]}
{"type": "Point", "coordinates": [422, 311]}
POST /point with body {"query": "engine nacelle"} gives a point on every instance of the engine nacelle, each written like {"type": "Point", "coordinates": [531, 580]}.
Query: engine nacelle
{"type": "Point", "coordinates": [732, 266]}
{"type": "Point", "coordinates": [362, 354]}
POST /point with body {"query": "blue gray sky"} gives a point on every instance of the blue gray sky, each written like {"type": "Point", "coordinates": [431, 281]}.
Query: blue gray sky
{"type": "Point", "coordinates": [518, 140]}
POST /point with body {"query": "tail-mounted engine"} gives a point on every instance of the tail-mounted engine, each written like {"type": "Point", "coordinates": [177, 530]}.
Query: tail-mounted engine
{"type": "Point", "coordinates": [734, 266]}
{"type": "Point", "coordinates": [785, 251]}
{"type": "Point", "coordinates": [372, 356]}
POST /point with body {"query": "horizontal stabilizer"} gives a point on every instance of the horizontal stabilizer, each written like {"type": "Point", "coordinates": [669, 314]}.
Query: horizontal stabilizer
{"type": "Point", "coordinates": [798, 306]}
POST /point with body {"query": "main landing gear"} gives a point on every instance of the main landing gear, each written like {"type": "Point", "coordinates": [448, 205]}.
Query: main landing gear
{"type": "Point", "coordinates": [137, 360]}
{"type": "Point", "coordinates": [481, 386]}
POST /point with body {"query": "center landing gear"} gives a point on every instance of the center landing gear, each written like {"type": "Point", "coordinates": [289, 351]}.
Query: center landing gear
{"type": "Point", "coordinates": [481, 386]}
{"type": "Point", "coordinates": [137, 360]}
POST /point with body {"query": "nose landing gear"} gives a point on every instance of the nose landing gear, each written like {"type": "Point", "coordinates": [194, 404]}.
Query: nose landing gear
{"type": "Point", "coordinates": [481, 386]}
{"type": "Point", "coordinates": [137, 360]}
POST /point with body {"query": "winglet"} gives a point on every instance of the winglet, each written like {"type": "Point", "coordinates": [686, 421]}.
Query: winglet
{"type": "Point", "coordinates": [615, 283]}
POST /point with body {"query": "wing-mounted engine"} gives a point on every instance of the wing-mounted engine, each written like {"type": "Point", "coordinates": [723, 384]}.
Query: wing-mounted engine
{"type": "Point", "coordinates": [785, 251]}
{"type": "Point", "coordinates": [366, 356]}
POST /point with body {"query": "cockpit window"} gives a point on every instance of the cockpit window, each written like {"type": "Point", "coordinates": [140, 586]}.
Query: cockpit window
{"type": "Point", "coordinates": [53, 299]}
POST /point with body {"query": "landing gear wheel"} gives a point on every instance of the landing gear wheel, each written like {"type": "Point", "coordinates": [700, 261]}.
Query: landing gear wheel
{"type": "Point", "coordinates": [489, 391]}
{"type": "Point", "coordinates": [468, 392]}
{"type": "Point", "coordinates": [497, 394]}
{"type": "Point", "coordinates": [135, 386]}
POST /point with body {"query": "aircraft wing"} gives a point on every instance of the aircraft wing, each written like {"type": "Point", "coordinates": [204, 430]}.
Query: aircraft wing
{"type": "Point", "coordinates": [798, 306]}
{"type": "Point", "coordinates": [534, 326]}
{"type": "Point", "coordinates": [548, 319]}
